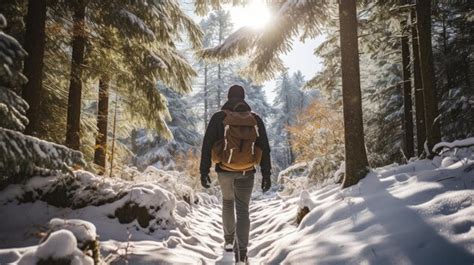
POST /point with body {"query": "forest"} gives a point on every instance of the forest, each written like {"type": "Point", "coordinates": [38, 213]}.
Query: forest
{"type": "Point", "coordinates": [105, 108]}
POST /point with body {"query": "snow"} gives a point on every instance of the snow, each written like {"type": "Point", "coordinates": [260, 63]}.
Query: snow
{"type": "Point", "coordinates": [59, 245]}
{"type": "Point", "coordinates": [137, 22]}
{"type": "Point", "coordinates": [82, 230]}
{"type": "Point", "coordinates": [23, 154]}
{"type": "Point", "coordinates": [418, 213]}
{"type": "Point", "coordinates": [458, 143]}
{"type": "Point", "coordinates": [305, 201]}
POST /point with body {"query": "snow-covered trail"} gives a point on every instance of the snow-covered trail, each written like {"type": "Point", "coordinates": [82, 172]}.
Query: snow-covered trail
{"type": "Point", "coordinates": [419, 213]}
{"type": "Point", "coordinates": [198, 237]}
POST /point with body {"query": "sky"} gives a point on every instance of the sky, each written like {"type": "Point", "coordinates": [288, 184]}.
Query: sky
{"type": "Point", "coordinates": [301, 57]}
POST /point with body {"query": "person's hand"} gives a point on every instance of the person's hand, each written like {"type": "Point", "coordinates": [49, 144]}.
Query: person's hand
{"type": "Point", "coordinates": [205, 181]}
{"type": "Point", "coordinates": [266, 183]}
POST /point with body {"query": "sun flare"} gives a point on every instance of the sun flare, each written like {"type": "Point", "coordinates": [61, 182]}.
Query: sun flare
{"type": "Point", "coordinates": [255, 14]}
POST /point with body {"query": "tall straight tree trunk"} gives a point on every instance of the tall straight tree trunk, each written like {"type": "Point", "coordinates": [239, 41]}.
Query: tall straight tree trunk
{"type": "Point", "coordinates": [35, 39]}
{"type": "Point", "coordinates": [219, 81]}
{"type": "Point", "coordinates": [446, 52]}
{"type": "Point", "coordinates": [291, 156]}
{"type": "Point", "coordinates": [102, 119]}
{"type": "Point", "coordinates": [75, 85]}
{"type": "Point", "coordinates": [114, 126]}
{"type": "Point", "coordinates": [419, 102]}
{"type": "Point", "coordinates": [206, 106]}
{"type": "Point", "coordinates": [355, 154]}
{"type": "Point", "coordinates": [466, 68]}
{"type": "Point", "coordinates": [407, 102]}
{"type": "Point", "coordinates": [423, 15]}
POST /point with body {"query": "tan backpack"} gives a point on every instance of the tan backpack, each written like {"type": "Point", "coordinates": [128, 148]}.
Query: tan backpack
{"type": "Point", "coordinates": [237, 151]}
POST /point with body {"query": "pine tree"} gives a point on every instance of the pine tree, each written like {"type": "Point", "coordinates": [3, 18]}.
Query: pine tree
{"type": "Point", "coordinates": [289, 102]}
{"type": "Point", "coordinates": [355, 154]}
{"type": "Point", "coordinates": [35, 39]}
{"type": "Point", "coordinates": [215, 76]}
{"type": "Point", "coordinates": [418, 87]}
{"type": "Point", "coordinates": [22, 156]}
{"type": "Point", "coordinates": [255, 97]}
{"type": "Point", "coordinates": [163, 152]}
{"type": "Point", "coordinates": [423, 15]}
{"type": "Point", "coordinates": [102, 122]}
{"type": "Point", "coordinates": [451, 34]}
{"type": "Point", "coordinates": [134, 66]}
{"type": "Point", "coordinates": [406, 79]}
{"type": "Point", "coordinates": [216, 27]}
{"type": "Point", "coordinates": [75, 83]}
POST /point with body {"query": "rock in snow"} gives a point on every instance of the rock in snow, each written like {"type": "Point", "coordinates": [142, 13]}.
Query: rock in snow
{"type": "Point", "coordinates": [82, 230]}
{"type": "Point", "coordinates": [60, 245]}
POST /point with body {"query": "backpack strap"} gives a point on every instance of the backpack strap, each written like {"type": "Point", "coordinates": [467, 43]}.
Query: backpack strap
{"type": "Point", "coordinates": [238, 105]}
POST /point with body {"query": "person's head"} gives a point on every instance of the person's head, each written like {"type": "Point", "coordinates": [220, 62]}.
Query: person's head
{"type": "Point", "coordinates": [236, 92]}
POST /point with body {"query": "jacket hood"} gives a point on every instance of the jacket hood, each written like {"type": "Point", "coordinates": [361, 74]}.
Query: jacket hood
{"type": "Point", "coordinates": [232, 103]}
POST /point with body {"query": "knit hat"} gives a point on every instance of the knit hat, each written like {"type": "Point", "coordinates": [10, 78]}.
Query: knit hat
{"type": "Point", "coordinates": [236, 91]}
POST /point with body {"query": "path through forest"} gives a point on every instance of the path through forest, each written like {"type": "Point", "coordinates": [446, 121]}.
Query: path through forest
{"type": "Point", "coordinates": [199, 236]}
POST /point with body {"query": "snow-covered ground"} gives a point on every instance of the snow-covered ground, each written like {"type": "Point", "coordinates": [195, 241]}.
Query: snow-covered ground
{"type": "Point", "coordinates": [419, 213]}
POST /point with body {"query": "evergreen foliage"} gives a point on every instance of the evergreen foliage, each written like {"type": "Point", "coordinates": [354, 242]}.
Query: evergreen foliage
{"type": "Point", "coordinates": [452, 31]}
{"type": "Point", "coordinates": [22, 155]}
{"type": "Point", "coordinates": [133, 44]}
{"type": "Point", "coordinates": [215, 77]}
{"type": "Point", "coordinates": [255, 97]}
{"type": "Point", "coordinates": [289, 102]}
{"type": "Point", "coordinates": [163, 152]}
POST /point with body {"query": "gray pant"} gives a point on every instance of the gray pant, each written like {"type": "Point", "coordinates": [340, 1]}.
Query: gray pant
{"type": "Point", "coordinates": [236, 187]}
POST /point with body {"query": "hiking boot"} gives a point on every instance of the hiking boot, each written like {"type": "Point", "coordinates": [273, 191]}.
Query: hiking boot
{"type": "Point", "coordinates": [243, 262]}
{"type": "Point", "coordinates": [241, 257]}
{"type": "Point", "coordinates": [229, 246]}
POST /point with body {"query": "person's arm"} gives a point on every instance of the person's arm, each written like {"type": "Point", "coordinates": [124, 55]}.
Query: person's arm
{"type": "Point", "coordinates": [262, 142]}
{"type": "Point", "coordinates": [210, 137]}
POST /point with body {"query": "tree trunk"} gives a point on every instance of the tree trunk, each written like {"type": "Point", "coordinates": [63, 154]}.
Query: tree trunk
{"type": "Point", "coordinates": [419, 102]}
{"type": "Point", "coordinates": [449, 79]}
{"type": "Point", "coordinates": [355, 154]}
{"type": "Point", "coordinates": [114, 126]}
{"type": "Point", "coordinates": [219, 89]}
{"type": "Point", "coordinates": [219, 81]}
{"type": "Point", "coordinates": [205, 98]}
{"type": "Point", "coordinates": [407, 102]}
{"type": "Point", "coordinates": [102, 119]}
{"type": "Point", "coordinates": [35, 39]}
{"type": "Point", "coordinates": [423, 15]}
{"type": "Point", "coordinates": [467, 64]}
{"type": "Point", "coordinates": [75, 85]}
{"type": "Point", "coordinates": [291, 157]}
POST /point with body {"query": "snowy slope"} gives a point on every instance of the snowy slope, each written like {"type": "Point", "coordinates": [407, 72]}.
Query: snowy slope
{"type": "Point", "coordinates": [419, 213]}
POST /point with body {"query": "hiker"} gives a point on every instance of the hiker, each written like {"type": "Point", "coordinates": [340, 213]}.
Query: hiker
{"type": "Point", "coordinates": [236, 141]}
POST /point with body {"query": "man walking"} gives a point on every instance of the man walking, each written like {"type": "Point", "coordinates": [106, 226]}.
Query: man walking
{"type": "Point", "coordinates": [236, 141]}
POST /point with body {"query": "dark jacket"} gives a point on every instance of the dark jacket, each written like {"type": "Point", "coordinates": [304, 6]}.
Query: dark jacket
{"type": "Point", "coordinates": [215, 132]}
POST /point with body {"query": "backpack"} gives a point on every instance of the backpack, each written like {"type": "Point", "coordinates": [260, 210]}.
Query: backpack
{"type": "Point", "coordinates": [237, 151]}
